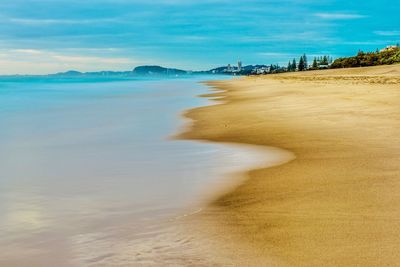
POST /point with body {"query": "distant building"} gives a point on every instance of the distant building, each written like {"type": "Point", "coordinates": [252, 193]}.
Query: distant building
{"type": "Point", "coordinates": [323, 66]}
{"type": "Point", "coordinates": [233, 69]}
{"type": "Point", "coordinates": [322, 62]}
{"type": "Point", "coordinates": [262, 70]}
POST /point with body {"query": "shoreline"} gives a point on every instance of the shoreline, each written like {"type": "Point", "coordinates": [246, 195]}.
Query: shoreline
{"type": "Point", "coordinates": [331, 205]}
{"type": "Point", "coordinates": [267, 156]}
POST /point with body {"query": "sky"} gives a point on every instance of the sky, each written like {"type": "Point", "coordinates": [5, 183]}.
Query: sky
{"type": "Point", "coordinates": [48, 36]}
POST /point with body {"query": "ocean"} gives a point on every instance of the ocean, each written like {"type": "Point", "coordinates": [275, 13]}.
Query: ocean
{"type": "Point", "coordinates": [88, 168]}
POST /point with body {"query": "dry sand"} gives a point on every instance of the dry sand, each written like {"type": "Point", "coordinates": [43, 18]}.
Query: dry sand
{"type": "Point", "coordinates": [338, 202]}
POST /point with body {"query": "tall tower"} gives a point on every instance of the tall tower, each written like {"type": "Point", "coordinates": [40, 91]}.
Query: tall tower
{"type": "Point", "coordinates": [239, 65]}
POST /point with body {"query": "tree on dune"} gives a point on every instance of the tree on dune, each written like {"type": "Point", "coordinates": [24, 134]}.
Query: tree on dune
{"type": "Point", "coordinates": [315, 64]}
{"type": "Point", "coordinates": [301, 64]}
{"type": "Point", "coordinates": [305, 63]}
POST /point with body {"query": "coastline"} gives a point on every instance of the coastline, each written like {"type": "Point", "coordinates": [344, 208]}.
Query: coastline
{"type": "Point", "coordinates": [335, 203]}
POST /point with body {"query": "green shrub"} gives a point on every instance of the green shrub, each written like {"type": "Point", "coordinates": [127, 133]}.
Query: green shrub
{"type": "Point", "coordinates": [362, 59]}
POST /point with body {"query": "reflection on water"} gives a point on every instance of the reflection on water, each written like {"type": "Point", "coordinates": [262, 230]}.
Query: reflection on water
{"type": "Point", "coordinates": [87, 171]}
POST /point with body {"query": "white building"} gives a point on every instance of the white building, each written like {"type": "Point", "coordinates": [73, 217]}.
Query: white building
{"type": "Point", "coordinates": [233, 69]}
{"type": "Point", "coordinates": [262, 70]}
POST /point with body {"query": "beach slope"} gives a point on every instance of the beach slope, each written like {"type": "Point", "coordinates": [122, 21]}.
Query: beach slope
{"type": "Point", "coordinates": [337, 202]}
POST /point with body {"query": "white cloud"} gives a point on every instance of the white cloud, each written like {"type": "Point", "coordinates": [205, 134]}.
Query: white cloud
{"type": "Point", "coordinates": [32, 61]}
{"type": "Point", "coordinates": [307, 36]}
{"type": "Point", "coordinates": [26, 51]}
{"type": "Point", "coordinates": [86, 59]}
{"type": "Point", "coordinates": [338, 16]}
{"type": "Point", "coordinates": [387, 33]}
{"type": "Point", "coordinates": [194, 38]}
{"type": "Point", "coordinates": [275, 54]}
{"type": "Point", "coordinates": [59, 21]}
{"type": "Point", "coordinates": [375, 42]}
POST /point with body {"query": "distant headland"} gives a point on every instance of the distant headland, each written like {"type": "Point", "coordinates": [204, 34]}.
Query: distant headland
{"type": "Point", "coordinates": [386, 56]}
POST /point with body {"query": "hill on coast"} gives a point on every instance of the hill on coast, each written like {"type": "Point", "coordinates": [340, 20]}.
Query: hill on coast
{"type": "Point", "coordinates": [386, 56]}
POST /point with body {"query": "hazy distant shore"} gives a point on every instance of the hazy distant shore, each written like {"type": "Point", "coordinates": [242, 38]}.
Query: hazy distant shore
{"type": "Point", "coordinates": [336, 204]}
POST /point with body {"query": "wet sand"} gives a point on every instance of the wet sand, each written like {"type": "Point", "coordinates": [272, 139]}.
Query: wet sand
{"type": "Point", "coordinates": [337, 202]}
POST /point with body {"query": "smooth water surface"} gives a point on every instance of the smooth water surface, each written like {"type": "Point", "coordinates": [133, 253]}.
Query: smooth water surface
{"type": "Point", "coordinates": [86, 167]}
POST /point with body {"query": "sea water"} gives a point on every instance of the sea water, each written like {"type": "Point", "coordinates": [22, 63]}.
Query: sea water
{"type": "Point", "coordinates": [87, 166]}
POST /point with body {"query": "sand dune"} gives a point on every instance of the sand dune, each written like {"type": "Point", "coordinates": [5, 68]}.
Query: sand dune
{"type": "Point", "coordinates": [337, 203]}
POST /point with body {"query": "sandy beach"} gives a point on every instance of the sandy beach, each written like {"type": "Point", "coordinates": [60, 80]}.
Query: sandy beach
{"type": "Point", "coordinates": [337, 202]}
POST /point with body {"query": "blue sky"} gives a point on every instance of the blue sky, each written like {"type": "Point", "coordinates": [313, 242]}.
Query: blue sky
{"type": "Point", "coordinates": [44, 36]}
